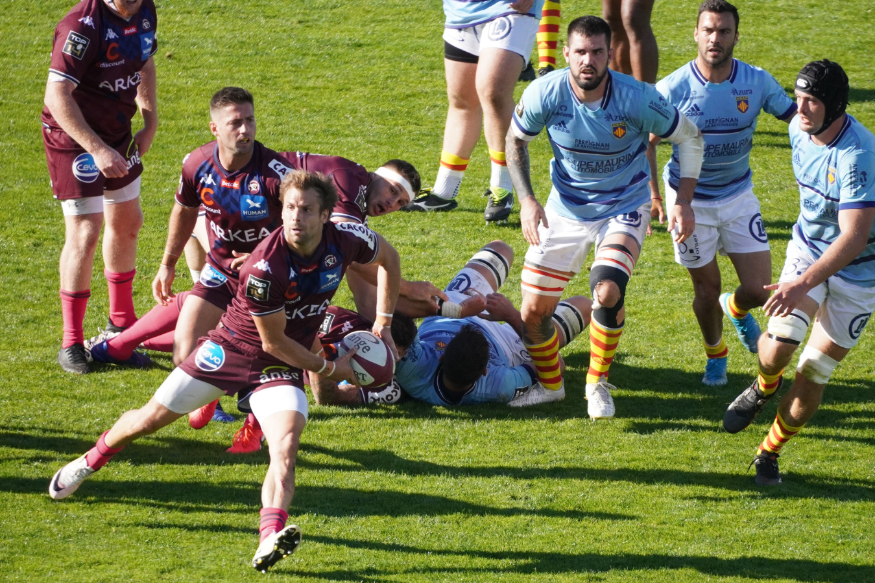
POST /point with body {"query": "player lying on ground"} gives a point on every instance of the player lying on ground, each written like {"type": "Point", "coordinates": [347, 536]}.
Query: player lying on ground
{"type": "Point", "coordinates": [724, 98]}
{"type": "Point", "coordinates": [270, 327]}
{"type": "Point", "coordinates": [829, 274]}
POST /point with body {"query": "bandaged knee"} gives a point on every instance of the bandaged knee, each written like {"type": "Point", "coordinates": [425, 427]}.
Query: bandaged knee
{"type": "Point", "coordinates": [543, 283]}
{"type": "Point", "coordinates": [569, 320]}
{"type": "Point", "coordinates": [613, 263]}
{"type": "Point", "coordinates": [816, 366]}
{"type": "Point", "coordinates": [789, 329]}
{"type": "Point", "coordinates": [494, 261]}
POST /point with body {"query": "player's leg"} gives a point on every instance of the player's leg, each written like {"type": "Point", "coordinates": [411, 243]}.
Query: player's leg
{"type": "Point", "coordinates": [196, 318]}
{"type": "Point", "coordinates": [754, 272]}
{"type": "Point", "coordinates": [706, 306]}
{"type": "Point", "coordinates": [124, 218]}
{"type": "Point", "coordinates": [571, 317]}
{"type": "Point", "coordinates": [643, 51]}
{"type": "Point", "coordinates": [612, 12]}
{"type": "Point", "coordinates": [548, 37]}
{"type": "Point", "coordinates": [493, 261]}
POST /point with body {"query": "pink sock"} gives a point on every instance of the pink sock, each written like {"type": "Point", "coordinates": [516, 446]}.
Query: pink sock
{"type": "Point", "coordinates": [73, 306]}
{"type": "Point", "coordinates": [252, 421]}
{"type": "Point", "coordinates": [121, 297]}
{"type": "Point", "coordinates": [272, 520]}
{"type": "Point", "coordinates": [156, 323]}
{"type": "Point", "coordinates": [100, 454]}
{"type": "Point", "coordinates": [163, 343]}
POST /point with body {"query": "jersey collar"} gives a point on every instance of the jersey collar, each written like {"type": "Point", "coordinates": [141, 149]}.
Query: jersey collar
{"type": "Point", "coordinates": [606, 98]}
{"type": "Point", "coordinates": [256, 151]}
{"type": "Point", "coordinates": [446, 395]}
{"type": "Point", "coordinates": [697, 74]}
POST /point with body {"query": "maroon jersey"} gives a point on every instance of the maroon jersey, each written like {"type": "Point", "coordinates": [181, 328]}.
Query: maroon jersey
{"type": "Point", "coordinates": [241, 208]}
{"type": "Point", "coordinates": [275, 279]}
{"type": "Point", "coordinates": [351, 180]}
{"type": "Point", "coordinates": [102, 53]}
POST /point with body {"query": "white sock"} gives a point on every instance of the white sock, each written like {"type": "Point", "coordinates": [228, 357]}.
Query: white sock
{"type": "Point", "coordinates": [447, 183]}
{"type": "Point", "coordinates": [500, 177]}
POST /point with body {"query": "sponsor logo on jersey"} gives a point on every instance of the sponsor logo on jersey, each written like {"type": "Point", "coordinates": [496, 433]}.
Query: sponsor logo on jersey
{"type": "Point", "coordinates": [87, 21]}
{"type": "Point", "coordinates": [211, 277]}
{"type": "Point", "coordinates": [76, 45]}
{"type": "Point", "coordinates": [742, 104]}
{"type": "Point", "coordinates": [111, 53]}
{"type": "Point", "coordinates": [590, 145]}
{"type": "Point", "coordinates": [84, 168]}
{"type": "Point", "coordinates": [235, 184]}
{"type": "Point", "coordinates": [329, 279]}
{"type": "Point", "coordinates": [721, 121]}
{"type": "Point", "coordinates": [237, 235]}
{"type": "Point", "coordinates": [359, 231]}
{"type": "Point", "coordinates": [561, 127]}
{"type": "Point", "coordinates": [618, 129]}
{"type": "Point", "coordinates": [130, 30]}
{"type": "Point", "coordinates": [122, 83]}
{"type": "Point", "coordinates": [277, 373]}
{"type": "Point", "coordinates": [855, 328]}
{"type": "Point", "coordinates": [253, 208]}
{"type": "Point", "coordinates": [291, 294]}
{"type": "Point", "coordinates": [279, 168]}
{"type": "Point", "coordinates": [326, 323]}
{"type": "Point", "coordinates": [742, 91]}
{"type": "Point", "coordinates": [263, 265]}
{"type": "Point", "coordinates": [308, 311]}
{"type": "Point", "coordinates": [253, 187]}
{"type": "Point", "coordinates": [661, 107]}
{"type": "Point", "coordinates": [210, 356]}
{"type": "Point", "coordinates": [757, 228]}
{"type": "Point", "coordinates": [330, 261]}
{"type": "Point", "coordinates": [146, 24]}
{"type": "Point", "coordinates": [257, 288]}
{"type": "Point", "coordinates": [499, 28]}
{"type": "Point", "coordinates": [831, 175]}
{"type": "Point", "coordinates": [146, 42]}
{"type": "Point", "coordinates": [694, 111]}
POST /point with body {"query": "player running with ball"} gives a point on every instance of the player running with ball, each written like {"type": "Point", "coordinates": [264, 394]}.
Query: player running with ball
{"type": "Point", "coordinates": [598, 122]}
{"type": "Point", "coordinates": [271, 327]}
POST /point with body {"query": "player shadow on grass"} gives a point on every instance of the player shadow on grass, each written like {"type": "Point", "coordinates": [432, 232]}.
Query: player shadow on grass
{"type": "Point", "coordinates": [522, 562]}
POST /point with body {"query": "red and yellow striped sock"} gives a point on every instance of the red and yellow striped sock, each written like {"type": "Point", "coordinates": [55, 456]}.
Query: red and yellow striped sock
{"type": "Point", "coordinates": [734, 310]}
{"type": "Point", "coordinates": [548, 34]}
{"type": "Point", "coordinates": [602, 346]}
{"type": "Point", "coordinates": [453, 162]}
{"type": "Point", "coordinates": [768, 383]}
{"type": "Point", "coordinates": [718, 351]}
{"type": "Point", "coordinates": [545, 357]}
{"type": "Point", "coordinates": [778, 436]}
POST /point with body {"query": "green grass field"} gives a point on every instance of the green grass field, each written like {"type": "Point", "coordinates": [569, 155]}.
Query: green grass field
{"type": "Point", "coordinates": [411, 492]}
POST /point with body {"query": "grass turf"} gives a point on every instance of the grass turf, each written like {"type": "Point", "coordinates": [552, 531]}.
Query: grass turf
{"type": "Point", "coordinates": [411, 492]}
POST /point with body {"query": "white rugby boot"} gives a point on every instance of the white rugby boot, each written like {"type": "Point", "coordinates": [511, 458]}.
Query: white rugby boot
{"type": "Point", "coordinates": [69, 478]}
{"type": "Point", "coordinates": [536, 395]}
{"type": "Point", "coordinates": [275, 547]}
{"type": "Point", "coordinates": [600, 404]}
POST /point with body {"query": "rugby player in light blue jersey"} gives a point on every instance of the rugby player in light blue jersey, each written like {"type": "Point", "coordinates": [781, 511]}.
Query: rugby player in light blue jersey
{"type": "Point", "coordinates": [472, 360]}
{"type": "Point", "coordinates": [724, 98]}
{"type": "Point", "coordinates": [598, 123]}
{"type": "Point", "coordinates": [829, 273]}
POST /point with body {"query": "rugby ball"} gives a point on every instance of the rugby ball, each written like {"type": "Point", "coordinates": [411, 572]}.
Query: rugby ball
{"type": "Point", "coordinates": [373, 364]}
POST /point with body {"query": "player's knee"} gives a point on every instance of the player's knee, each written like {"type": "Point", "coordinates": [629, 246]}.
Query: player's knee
{"type": "Point", "coordinates": [569, 320]}
{"type": "Point", "coordinates": [535, 314]}
{"type": "Point", "coordinates": [635, 21]}
{"type": "Point", "coordinates": [610, 274]}
{"type": "Point", "coordinates": [706, 293]}
{"type": "Point", "coordinates": [753, 295]}
{"type": "Point", "coordinates": [84, 237]}
{"type": "Point", "coordinates": [790, 329]}
{"type": "Point", "coordinates": [613, 15]}
{"type": "Point", "coordinates": [816, 366]}
{"type": "Point", "coordinates": [606, 293]}
{"type": "Point", "coordinates": [285, 449]}
{"type": "Point", "coordinates": [493, 97]}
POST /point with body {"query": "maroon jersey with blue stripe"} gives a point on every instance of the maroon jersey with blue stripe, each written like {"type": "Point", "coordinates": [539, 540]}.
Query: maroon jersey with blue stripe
{"type": "Point", "coordinates": [242, 208]}
{"type": "Point", "coordinates": [275, 279]}
{"type": "Point", "coordinates": [350, 179]}
{"type": "Point", "coordinates": [102, 53]}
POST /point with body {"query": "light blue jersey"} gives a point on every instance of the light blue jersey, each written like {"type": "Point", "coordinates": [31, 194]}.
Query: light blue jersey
{"type": "Point", "coordinates": [599, 168]}
{"type": "Point", "coordinates": [833, 178]}
{"type": "Point", "coordinates": [727, 115]}
{"type": "Point", "coordinates": [418, 372]}
{"type": "Point", "coordinates": [465, 13]}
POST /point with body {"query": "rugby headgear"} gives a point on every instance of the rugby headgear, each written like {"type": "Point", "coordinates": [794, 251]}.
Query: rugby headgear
{"type": "Point", "coordinates": [827, 82]}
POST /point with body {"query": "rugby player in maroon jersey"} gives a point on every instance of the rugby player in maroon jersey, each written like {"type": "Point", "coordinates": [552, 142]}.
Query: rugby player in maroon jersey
{"type": "Point", "coordinates": [265, 340]}
{"type": "Point", "coordinates": [101, 71]}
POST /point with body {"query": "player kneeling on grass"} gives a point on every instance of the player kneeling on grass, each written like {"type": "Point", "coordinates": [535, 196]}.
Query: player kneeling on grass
{"type": "Point", "coordinates": [272, 323]}
{"type": "Point", "coordinates": [829, 274]}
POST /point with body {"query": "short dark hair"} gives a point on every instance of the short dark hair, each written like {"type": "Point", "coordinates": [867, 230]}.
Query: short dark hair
{"type": "Point", "coordinates": [718, 7]}
{"type": "Point", "coordinates": [589, 26]}
{"type": "Point", "coordinates": [408, 171]}
{"type": "Point", "coordinates": [403, 330]}
{"type": "Point", "coordinates": [302, 180]}
{"type": "Point", "coordinates": [230, 96]}
{"type": "Point", "coordinates": [466, 355]}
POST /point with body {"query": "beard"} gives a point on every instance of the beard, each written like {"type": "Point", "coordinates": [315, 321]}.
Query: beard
{"type": "Point", "coordinates": [721, 59]}
{"type": "Point", "coordinates": [592, 83]}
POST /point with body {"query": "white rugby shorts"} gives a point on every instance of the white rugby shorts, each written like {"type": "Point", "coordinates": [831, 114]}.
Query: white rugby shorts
{"type": "Point", "coordinates": [514, 32]}
{"type": "Point", "coordinates": [734, 225]}
{"type": "Point", "coordinates": [844, 308]}
{"type": "Point", "coordinates": [94, 204]}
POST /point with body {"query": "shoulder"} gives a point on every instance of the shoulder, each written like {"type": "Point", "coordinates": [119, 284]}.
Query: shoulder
{"type": "Point", "coordinates": [352, 232]}
{"type": "Point", "coordinates": [857, 143]}
{"type": "Point", "coordinates": [679, 79]}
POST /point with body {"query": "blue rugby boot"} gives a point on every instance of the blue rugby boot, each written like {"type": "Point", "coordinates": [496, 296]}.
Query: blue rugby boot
{"type": "Point", "coordinates": [747, 328]}
{"type": "Point", "coordinates": [715, 372]}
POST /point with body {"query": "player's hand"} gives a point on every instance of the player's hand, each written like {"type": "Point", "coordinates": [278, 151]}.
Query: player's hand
{"type": "Point", "coordinates": [239, 259]}
{"type": "Point", "coordinates": [522, 6]}
{"type": "Point", "coordinates": [656, 212]}
{"type": "Point", "coordinates": [474, 304]}
{"type": "Point", "coordinates": [110, 163]}
{"type": "Point", "coordinates": [532, 213]}
{"type": "Point", "coordinates": [163, 283]}
{"type": "Point", "coordinates": [343, 370]}
{"type": "Point", "coordinates": [423, 291]}
{"type": "Point", "coordinates": [681, 222]}
{"type": "Point", "coordinates": [385, 334]}
{"type": "Point", "coordinates": [787, 297]}
{"type": "Point", "coordinates": [143, 140]}
{"type": "Point", "coordinates": [498, 308]}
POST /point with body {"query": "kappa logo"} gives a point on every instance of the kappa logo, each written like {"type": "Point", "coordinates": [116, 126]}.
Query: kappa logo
{"type": "Point", "coordinates": [742, 103]}
{"type": "Point", "coordinates": [87, 21]}
{"type": "Point", "coordinates": [618, 130]}
{"type": "Point", "coordinates": [76, 45]}
{"type": "Point", "coordinates": [347, 326]}
{"type": "Point", "coordinates": [857, 324]}
{"type": "Point", "coordinates": [254, 187]}
{"type": "Point", "coordinates": [694, 111]}
{"type": "Point", "coordinates": [257, 288]}
{"type": "Point", "coordinates": [263, 265]}
{"type": "Point", "coordinates": [279, 168]}
{"type": "Point", "coordinates": [207, 180]}
{"type": "Point", "coordinates": [110, 35]}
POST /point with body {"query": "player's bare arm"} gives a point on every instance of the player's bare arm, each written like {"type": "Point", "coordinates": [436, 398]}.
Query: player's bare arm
{"type": "Point", "coordinates": [388, 265]}
{"type": "Point", "coordinates": [855, 224]}
{"type": "Point", "coordinates": [65, 110]}
{"type": "Point", "coordinates": [182, 222]}
{"type": "Point", "coordinates": [657, 210]}
{"type": "Point", "coordinates": [691, 149]}
{"type": "Point", "coordinates": [147, 101]}
{"type": "Point", "coordinates": [531, 211]}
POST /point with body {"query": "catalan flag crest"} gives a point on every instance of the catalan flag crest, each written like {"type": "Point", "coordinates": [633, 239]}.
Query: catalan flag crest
{"type": "Point", "coordinates": [618, 129]}
{"type": "Point", "coordinates": [742, 103]}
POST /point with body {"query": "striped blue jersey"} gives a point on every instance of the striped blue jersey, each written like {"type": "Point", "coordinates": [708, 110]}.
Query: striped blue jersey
{"type": "Point", "coordinates": [419, 372]}
{"type": "Point", "coordinates": [465, 13]}
{"type": "Point", "coordinates": [833, 178]}
{"type": "Point", "coordinates": [599, 168]}
{"type": "Point", "coordinates": [727, 114]}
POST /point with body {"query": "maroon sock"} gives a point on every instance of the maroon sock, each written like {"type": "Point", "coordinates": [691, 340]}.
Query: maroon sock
{"type": "Point", "coordinates": [253, 422]}
{"type": "Point", "coordinates": [73, 305]}
{"type": "Point", "coordinates": [121, 297]}
{"type": "Point", "coordinates": [163, 343]}
{"type": "Point", "coordinates": [100, 454]}
{"type": "Point", "coordinates": [156, 322]}
{"type": "Point", "coordinates": [272, 520]}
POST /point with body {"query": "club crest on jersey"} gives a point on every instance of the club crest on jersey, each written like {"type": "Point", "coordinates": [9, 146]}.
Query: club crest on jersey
{"type": "Point", "coordinates": [254, 187]}
{"type": "Point", "coordinates": [257, 288]}
{"type": "Point", "coordinates": [618, 129]}
{"type": "Point", "coordinates": [330, 261]}
{"type": "Point", "coordinates": [329, 280]}
{"type": "Point", "coordinates": [440, 345]}
{"type": "Point", "coordinates": [146, 25]}
{"type": "Point", "coordinates": [831, 174]}
{"type": "Point", "coordinates": [76, 45]}
{"type": "Point", "coordinates": [211, 277]}
{"type": "Point", "coordinates": [253, 208]}
{"type": "Point", "coordinates": [210, 356]}
{"type": "Point", "coordinates": [520, 108]}
{"type": "Point", "coordinates": [742, 103]}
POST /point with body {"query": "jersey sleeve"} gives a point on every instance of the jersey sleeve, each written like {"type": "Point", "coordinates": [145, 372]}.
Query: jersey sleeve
{"type": "Point", "coordinates": [360, 244]}
{"type": "Point", "coordinates": [855, 174]}
{"type": "Point", "coordinates": [75, 46]}
{"type": "Point", "coordinates": [263, 289]}
{"type": "Point", "coordinates": [657, 115]}
{"type": "Point", "coordinates": [350, 195]}
{"type": "Point", "coordinates": [507, 381]}
{"type": "Point", "coordinates": [529, 117]}
{"type": "Point", "coordinates": [776, 101]}
{"type": "Point", "coordinates": [186, 192]}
